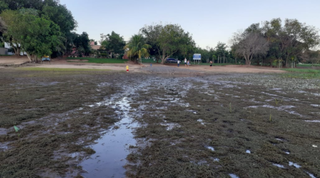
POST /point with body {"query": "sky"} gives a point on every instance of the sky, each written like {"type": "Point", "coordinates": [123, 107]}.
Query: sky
{"type": "Point", "coordinates": [209, 21]}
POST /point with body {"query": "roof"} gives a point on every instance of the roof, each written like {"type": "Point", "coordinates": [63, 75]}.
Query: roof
{"type": "Point", "coordinates": [95, 47]}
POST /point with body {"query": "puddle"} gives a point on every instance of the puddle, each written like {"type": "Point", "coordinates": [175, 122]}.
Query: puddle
{"type": "Point", "coordinates": [294, 164]}
{"type": "Point", "coordinates": [278, 165]}
{"type": "Point", "coordinates": [3, 131]}
{"type": "Point", "coordinates": [210, 148]}
{"type": "Point", "coordinates": [316, 94]}
{"type": "Point", "coordinates": [276, 89]}
{"type": "Point", "coordinates": [311, 175]}
{"type": "Point", "coordinates": [312, 121]}
{"type": "Point", "coordinates": [315, 105]}
{"type": "Point", "coordinates": [302, 91]}
{"type": "Point", "coordinates": [113, 147]}
{"type": "Point", "coordinates": [216, 159]}
{"type": "Point", "coordinates": [248, 151]}
{"type": "Point", "coordinates": [4, 146]}
{"type": "Point", "coordinates": [201, 121]}
{"type": "Point", "coordinates": [233, 176]}
{"type": "Point", "coordinates": [269, 94]}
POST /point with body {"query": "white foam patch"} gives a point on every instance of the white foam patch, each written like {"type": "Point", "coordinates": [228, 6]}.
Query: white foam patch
{"type": "Point", "coordinates": [233, 176]}
{"type": "Point", "coordinates": [294, 164]}
{"type": "Point", "coordinates": [210, 148]}
{"type": "Point", "coordinates": [278, 165]}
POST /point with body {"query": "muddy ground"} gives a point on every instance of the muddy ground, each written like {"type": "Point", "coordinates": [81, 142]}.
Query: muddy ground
{"type": "Point", "coordinates": [158, 124]}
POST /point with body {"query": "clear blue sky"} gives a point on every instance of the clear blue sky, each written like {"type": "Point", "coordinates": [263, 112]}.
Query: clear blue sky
{"type": "Point", "coordinates": [209, 21]}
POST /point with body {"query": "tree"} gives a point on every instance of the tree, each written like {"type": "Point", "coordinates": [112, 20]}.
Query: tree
{"type": "Point", "coordinates": [250, 45]}
{"type": "Point", "coordinates": [61, 16]}
{"type": "Point", "coordinates": [168, 40]}
{"type": "Point", "coordinates": [113, 43]}
{"type": "Point", "coordinates": [37, 36]}
{"type": "Point", "coordinates": [312, 57]}
{"type": "Point", "coordinates": [40, 38]}
{"type": "Point", "coordinates": [137, 48]}
{"type": "Point", "coordinates": [82, 43]}
{"type": "Point", "coordinates": [289, 41]}
{"type": "Point", "coordinates": [48, 9]}
{"type": "Point", "coordinates": [11, 18]}
{"type": "Point", "coordinates": [152, 34]}
{"type": "Point", "coordinates": [221, 52]}
{"type": "Point", "coordinates": [173, 39]}
{"type": "Point", "coordinates": [3, 6]}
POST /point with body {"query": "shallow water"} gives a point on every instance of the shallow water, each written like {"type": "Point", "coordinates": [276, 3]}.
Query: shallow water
{"type": "Point", "coordinates": [113, 147]}
{"type": "Point", "coordinates": [210, 148]}
{"type": "Point", "coordinates": [278, 165]}
{"type": "Point", "coordinates": [233, 176]}
{"type": "Point", "coordinates": [312, 121]}
{"type": "Point", "coordinates": [311, 175]}
{"type": "Point", "coordinates": [294, 164]}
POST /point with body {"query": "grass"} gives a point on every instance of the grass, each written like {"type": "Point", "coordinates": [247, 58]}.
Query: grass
{"type": "Point", "coordinates": [308, 65]}
{"type": "Point", "coordinates": [149, 61]}
{"type": "Point", "coordinates": [60, 69]}
{"type": "Point", "coordinates": [302, 73]}
{"type": "Point", "coordinates": [215, 64]}
{"type": "Point", "coordinates": [99, 60]}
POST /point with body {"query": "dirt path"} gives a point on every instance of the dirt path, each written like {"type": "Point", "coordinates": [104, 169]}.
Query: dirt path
{"type": "Point", "coordinates": [12, 60]}
{"type": "Point", "coordinates": [156, 68]}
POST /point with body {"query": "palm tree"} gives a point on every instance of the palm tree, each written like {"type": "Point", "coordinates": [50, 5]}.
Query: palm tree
{"type": "Point", "coordinates": [137, 47]}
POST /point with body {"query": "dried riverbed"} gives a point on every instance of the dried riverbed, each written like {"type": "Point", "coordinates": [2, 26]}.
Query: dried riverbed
{"type": "Point", "coordinates": [169, 124]}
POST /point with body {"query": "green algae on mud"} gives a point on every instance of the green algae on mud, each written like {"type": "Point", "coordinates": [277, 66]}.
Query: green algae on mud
{"type": "Point", "coordinates": [45, 106]}
{"type": "Point", "coordinates": [200, 126]}
{"type": "Point", "coordinates": [226, 129]}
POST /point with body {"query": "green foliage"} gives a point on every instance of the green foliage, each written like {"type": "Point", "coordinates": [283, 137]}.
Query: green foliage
{"type": "Point", "coordinates": [152, 34]}
{"type": "Point", "coordinates": [173, 39]}
{"type": "Point", "coordinates": [137, 47]}
{"type": "Point", "coordinates": [36, 35]}
{"type": "Point", "coordinates": [113, 43]}
{"type": "Point", "coordinates": [82, 43]}
{"type": "Point", "coordinates": [3, 6]}
{"type": "Point", "coordinates": [168, 40]}
{"type": "Point", "coordinates": [45, 9]}
{"type": "Point", "coordinates": [61, 16]}
{"type": "Point", "coordinates": [288, 40]}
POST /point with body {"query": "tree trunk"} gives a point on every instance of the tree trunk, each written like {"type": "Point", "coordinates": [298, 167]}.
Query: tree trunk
{"type": "Point", "coordinates": [287, 62]}
{"type": "Point", "coordinates": [29, 57]}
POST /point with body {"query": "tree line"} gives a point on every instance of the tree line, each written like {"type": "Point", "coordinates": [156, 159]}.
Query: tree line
{"type": "Point", "coordinates": [277, 43]}
{"type": "Point", "coordinates": [45, 27]}
{"type": "Point", "coordinates": [271, 43]}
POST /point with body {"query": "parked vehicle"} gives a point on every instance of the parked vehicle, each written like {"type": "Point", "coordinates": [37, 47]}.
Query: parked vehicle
{"type": "Point", "coordinates": [171, 60]}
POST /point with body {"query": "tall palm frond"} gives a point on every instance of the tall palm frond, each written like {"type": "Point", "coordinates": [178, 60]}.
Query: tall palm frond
{"type": "Point", "coordinates": [137, 47]}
